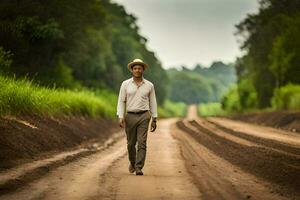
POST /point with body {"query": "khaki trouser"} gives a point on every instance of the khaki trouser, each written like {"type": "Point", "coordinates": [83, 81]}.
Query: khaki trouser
{"type": "Point", "coordinates": [136, 128]}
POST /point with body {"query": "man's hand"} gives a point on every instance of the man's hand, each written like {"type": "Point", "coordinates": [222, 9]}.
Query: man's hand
{"type": "Point", "coordinates": [121, 122]}
{"type": "Point", "coordinates": [153, 125]}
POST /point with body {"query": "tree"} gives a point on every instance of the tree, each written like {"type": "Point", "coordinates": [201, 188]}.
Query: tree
{"type": "Point", "coordinates": [262, 35]}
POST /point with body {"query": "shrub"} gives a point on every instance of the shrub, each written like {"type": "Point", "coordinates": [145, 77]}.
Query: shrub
{"type": "Point", "coordinates": [287, 97]}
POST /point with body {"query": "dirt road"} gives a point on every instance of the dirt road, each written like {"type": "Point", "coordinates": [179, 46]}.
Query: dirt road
{"type": "Point", "coordinates": [188, 158]}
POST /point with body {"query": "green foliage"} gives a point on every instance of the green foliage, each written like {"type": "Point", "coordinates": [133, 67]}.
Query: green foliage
{"type": "Point", "coordinates": [211, 109]}
{"type": "Point", "coordinates": [247, 94]}
{"type": "Point", "coordinates": [172, 109]}
{"type": "Point", "coordinates": [189, 88]}
{"type": "Point", "coordinates": [23, 96]}
{"type": "Point", "coordinates": [241, 97]}
{"type": "Point", "coordinates": [224, 74]}
{"type": "Point", "coordinates": [287, 97]}
{"type": "Point", "coordinates": [231, 101]}
{"type": "Point", "coordinates": [200, 84]}
{"type": "Point", "coordinates": [35, 29]}
{"type": "Point", "coordinates": [285, 52]}
{"type": "Point", "coordinates": [220, 76]}
{"type": "Point", "coordinates": [71, 44]}
{"type": "Point", "coordinates": [64, 76]}
{"type": "Point", "coordinates": [5, 61]}
{"type": "Point", "coordinates": [271, 42]}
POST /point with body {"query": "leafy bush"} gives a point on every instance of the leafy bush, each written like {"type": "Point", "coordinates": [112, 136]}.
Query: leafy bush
{"type": "Point", "coordinates": [5, 61]}
{"type": "Point", "coordinates": [247, 94]}
{"type": "Point", "coordinates": [231, 100]}
{"type": "Point", "coordinates": [211, 109]}
{"type": "Point", "coordinates": [172, 109]}
{"type": "Point", "coordinates": [287, 97]}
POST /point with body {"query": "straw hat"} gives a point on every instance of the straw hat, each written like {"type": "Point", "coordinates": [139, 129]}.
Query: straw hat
{"type": "Point", "coordinates": [137, 62]}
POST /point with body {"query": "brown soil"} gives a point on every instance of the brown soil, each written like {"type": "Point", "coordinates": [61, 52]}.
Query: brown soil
{"type": "Point", "coordinates": [287, 120]}
{"type": "Point", "coordinates": [271, 160]}
{"type": "Point", "coordinates": [27, 138]}
{"type": "Point", "coordinates": [191, 158]}
{"type": "Point", "coordinates": [177, 167]}
{"type": "Point", "coordinates": [215, 177]}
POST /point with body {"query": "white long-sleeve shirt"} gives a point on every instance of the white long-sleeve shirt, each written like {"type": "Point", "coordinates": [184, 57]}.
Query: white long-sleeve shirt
{"type": "Point", "coordinates": [136, 98]}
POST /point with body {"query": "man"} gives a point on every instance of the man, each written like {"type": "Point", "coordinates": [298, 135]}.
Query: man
{"type": "Point", "coordinates": [137, 96]}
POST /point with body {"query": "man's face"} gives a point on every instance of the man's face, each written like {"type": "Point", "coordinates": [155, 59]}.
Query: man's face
{"type": "Point", "coordinates": [137, 71]}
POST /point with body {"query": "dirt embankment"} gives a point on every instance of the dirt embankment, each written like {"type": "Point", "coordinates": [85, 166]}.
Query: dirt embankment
{"type": "Point", "coordinates": [287, 120]}
{"type": "Point", "coordinates": [27, 138]}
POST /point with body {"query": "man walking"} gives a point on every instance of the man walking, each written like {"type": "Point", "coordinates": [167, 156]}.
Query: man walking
{"type": "Point", "coordinates": [137, 96]}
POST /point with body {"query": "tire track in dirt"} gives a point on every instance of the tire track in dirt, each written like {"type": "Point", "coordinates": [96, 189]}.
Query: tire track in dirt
{"type": "Point", "coordinates": [165, 176]}
{"type": "Point", "coordinates": [217, 178]}
{"type": "Point", "coordinates": [76, 180]}
{"type": "Point", "coordinates": [275, 166]}
{"type": "Point", "coordinates": [283, 140]}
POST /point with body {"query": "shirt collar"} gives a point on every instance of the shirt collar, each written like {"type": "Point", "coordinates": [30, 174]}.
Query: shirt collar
{"type": "Point", "coordinates": [143, 80]}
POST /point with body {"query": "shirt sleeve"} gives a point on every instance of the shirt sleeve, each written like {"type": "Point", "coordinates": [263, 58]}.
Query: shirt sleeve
{"type": "Point", "coordinates": [121, 101]}
{"type": "Point", "coordinates": [153, 104]}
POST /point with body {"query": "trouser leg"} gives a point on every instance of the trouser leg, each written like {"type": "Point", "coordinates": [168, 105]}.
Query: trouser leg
{"type": "Point", "coordinates": [130, 129]}
{"type": "Point", "coordinates": [142, 131]}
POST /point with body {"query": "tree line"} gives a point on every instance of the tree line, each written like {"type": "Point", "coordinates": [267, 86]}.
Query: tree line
{"type": "Point", "coordinates": [200, 84]}
{"type": "Point", "coordinates": [270, 40]}
{"type": "Point", "coordinates": [73, 44]}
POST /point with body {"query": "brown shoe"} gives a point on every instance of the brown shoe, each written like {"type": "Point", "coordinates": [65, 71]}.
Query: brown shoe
{"type": "Point", "coordinates": [138, 172]}
{"type": "Point", "coordinates": [131, 168]}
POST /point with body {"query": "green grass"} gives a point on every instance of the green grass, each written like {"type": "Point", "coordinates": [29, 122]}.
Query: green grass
{"type": "Point", "coordinates": [23, 96]}
{"type": "Point", "coordinates": [172, 109]}
{"type": "Point", "coordinates": [211, 109]}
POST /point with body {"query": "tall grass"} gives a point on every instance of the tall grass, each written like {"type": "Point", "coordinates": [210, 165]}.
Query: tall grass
{"type": "Point", "coordinates": [23, 96]}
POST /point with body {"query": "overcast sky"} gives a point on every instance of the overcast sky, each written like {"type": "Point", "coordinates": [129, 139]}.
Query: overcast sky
{"type": "Point", "coordinates": [187, 32]}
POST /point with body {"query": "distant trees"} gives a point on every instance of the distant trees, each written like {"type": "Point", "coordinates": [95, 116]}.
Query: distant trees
{"type": "Point", "coordinates": [200, 85]}
{"type": "Point", "coordinates": [74, 43]}
{"type": "Point", "coordinates": [271, 41]}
